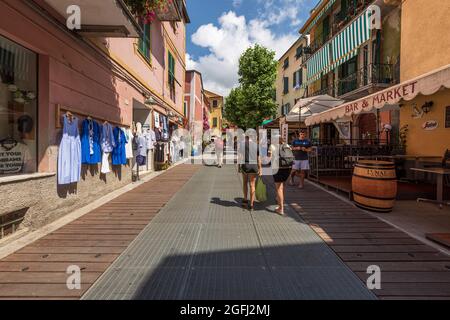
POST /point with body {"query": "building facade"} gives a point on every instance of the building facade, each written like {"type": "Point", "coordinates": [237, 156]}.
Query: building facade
{"type": "Point", "coordinates": [216, 107]}
{"type": "Point", "coordinates": [115, 69]}
{"type": "Point", "coordinates": [291, 76]}
{"type": "Point", "coordinates": [354, 51]}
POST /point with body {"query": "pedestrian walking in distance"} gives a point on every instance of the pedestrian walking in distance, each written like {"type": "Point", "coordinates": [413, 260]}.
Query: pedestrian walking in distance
{"type": "Point", "coordinates": [219, 151]}
{"type": "Point", "coordinates": [301, 147]}
{"type": "Point", "coordinates": [282, 159]}
{"type": "Point", "coordinates": [250, 167]}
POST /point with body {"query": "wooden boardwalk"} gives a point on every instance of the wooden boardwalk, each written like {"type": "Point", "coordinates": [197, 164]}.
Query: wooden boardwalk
{"type": "Point", "coordinates": [410, 269]}
{"type": "Point", "coordinates": [91, 242]}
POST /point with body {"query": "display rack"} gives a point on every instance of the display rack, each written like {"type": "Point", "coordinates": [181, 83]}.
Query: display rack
{"type": "Point", "coordinates": [60, 109]}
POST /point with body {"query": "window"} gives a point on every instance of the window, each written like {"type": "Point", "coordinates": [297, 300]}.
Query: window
{"type": "Point", "coordinates": [286, 109]}
{"type": "Point", "coordinates": [294, 79]}
{"type": "Point", "coordinates": [171, 76]}
{"type": "Point", "coordinates": [286, 63]}
{"type": "Point", "coordinates": [299, 52]}
{"type": "Point", "coordinates": [18, 109]}
{"type": "Point", "coordinates": [447, 117]}
{"type": "Point", "coordinates": [285, 85]}
{"type": "Point", "coordinates": [185, 109]}
{"type": "Point", "coordinates": [214, 122]}
{"type": "Point", "coordinates": [215, 103]}
{"type": "Point", "coordinates": [144, 41]}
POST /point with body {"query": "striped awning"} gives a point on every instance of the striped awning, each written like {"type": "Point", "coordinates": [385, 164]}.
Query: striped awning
{"type": "Point", "coordinates": [321, 13]}
{"type": "Point", "coordinates": [318, 64]}
{"type": "Point", "coordinates": [346, 44]}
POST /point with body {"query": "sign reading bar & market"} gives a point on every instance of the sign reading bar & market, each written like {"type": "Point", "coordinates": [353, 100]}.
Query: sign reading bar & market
{"type": "Point", "coordinates": [379, 100]}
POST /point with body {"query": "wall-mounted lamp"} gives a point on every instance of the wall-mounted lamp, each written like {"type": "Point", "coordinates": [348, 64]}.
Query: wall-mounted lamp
{"type": "Point", "coordinates": [427, 106]}
{"type": "Point", "coordinates": [149, 100]}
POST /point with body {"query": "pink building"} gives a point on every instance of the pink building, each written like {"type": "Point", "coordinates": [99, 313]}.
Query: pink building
{"type": "Point", "coordinates": [196, 102]}
{"type": "Point", "coordinates": [113, 69]}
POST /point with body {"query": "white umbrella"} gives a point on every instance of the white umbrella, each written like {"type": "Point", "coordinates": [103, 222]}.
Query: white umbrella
{"type": "Point", "coordinates": [312, 105]}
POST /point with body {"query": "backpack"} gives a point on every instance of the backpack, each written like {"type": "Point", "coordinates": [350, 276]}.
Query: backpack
{"type": "Point", "coordinates": [286, 156]}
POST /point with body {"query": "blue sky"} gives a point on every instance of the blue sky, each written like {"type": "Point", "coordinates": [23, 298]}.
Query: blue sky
{"type": "Point", "coordinates": [220, 30]}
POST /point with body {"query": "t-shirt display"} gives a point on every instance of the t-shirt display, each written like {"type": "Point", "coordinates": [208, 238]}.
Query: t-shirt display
{"type": "Point", "coordinates": [300, 154]}
{"type": "Point", "coordinates": [14, 157]}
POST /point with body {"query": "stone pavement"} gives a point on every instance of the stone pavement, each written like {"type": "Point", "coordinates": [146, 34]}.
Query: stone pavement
{"type": "Point", "coordinates": [203, 245]}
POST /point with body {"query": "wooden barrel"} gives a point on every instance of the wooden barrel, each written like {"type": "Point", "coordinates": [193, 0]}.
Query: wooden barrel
{"type": "Point", "coordinates": [374, 185]}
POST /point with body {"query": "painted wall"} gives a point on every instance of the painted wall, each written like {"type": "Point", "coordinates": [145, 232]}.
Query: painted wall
{"type": "Point", "coordinates": [420, 141]}
{"type": "Point", "coordinates": [425, 40]}
{"type": "Point", "coordinates": [294, 65]}
{"type": "Point", "coordinates": [216, 112]}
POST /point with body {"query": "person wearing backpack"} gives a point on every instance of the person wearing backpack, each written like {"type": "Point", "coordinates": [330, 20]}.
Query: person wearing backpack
{"type": "Point", "coordinates": [281, 169]}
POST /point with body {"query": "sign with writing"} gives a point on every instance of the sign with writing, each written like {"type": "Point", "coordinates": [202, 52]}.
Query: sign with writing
{"type": "Point", "coordinates": [430, 125]}
{"type": "Point", "coordinates": [447, 117]}
{"type": "Point", "coordinates": [285, 131]}
{"type": "Point", "coordinates": [12, 160]}
{"type": "Point", "coordinates": [391, 96]}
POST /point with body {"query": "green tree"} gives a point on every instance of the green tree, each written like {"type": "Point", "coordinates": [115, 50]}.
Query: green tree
{"type": "Point", "coordinates": [253, 101]}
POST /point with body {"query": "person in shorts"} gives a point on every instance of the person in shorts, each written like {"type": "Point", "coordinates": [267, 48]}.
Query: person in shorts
{"type": "Point", "coordinates": [250, 167]}
{"type": "Point", "coordinates": [301, 147]}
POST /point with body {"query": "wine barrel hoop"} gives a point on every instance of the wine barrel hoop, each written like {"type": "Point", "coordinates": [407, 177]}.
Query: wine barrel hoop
{"type": "Point", "coordinates": [374, 185]}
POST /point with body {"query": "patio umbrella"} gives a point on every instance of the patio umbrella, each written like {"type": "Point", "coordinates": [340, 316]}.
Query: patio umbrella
{"type": "Point", "coordinates": [312, 105]}
{"type": "Point", "coordinates": [266, 122]}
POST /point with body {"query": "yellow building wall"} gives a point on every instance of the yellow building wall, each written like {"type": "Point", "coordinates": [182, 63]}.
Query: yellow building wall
{"type": "Point", "coordinates": [425, 39]}
{"type": "Point", "coordinates": [216, 112]}
{"type": "Point", "coordinates": [294, 65]}
{"type": "Point", "coordinates": [420, 141]}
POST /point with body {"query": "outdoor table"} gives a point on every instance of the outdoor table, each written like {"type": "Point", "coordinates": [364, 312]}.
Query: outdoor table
{"type": "Point", "coordinates": [440, 172]}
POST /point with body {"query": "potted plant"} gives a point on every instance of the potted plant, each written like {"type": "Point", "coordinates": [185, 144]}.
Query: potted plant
{"type": "Point", "coordinates": [147, 9]}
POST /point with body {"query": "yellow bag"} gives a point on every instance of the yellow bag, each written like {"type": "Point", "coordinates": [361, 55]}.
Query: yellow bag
{"type": "Point", "coordinates": [261, 191]}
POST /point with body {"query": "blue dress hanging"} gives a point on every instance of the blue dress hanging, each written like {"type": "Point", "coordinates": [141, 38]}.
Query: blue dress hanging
{"type": "Point", "coordinates": [90, 142]}
{"type": "Point", "coordinates": [119, 156]}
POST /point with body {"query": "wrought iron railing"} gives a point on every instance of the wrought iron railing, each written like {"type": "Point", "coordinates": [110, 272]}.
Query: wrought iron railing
{"type": "Point", "coordinates": [370, 74]}
{"type": "Point", "coordinates": [342, 18]}
{"type": "Point", "coordinates": [328, 90]}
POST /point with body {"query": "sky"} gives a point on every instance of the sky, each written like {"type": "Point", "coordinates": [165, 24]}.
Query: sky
{"type": "Point", "coordinates": [221, 30]}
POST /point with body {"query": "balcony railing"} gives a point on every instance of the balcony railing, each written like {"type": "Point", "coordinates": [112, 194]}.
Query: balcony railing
{"type": "Point", "coordinates": [328, 90]}
{"type": "Point", "coordinates": [342, 18]}
{"type": "Point", "coordinates": [373, 74]}
{"type": "Point", "coordinates": [319, 40]}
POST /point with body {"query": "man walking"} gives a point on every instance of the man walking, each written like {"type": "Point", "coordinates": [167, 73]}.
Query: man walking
{"type": "Point", "coordinates": [219, 151]}
{"type": "Point", "coordinates": [301, 147]}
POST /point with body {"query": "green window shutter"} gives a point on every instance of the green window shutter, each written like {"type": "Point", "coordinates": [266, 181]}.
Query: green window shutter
{"type": "Point", "coordinates": [171, 70]}
{"type": "Point", "coordinates": [294, 79]}
{"type": "Point", "coordinates": [300, 76]}
{"type": "Point", "coordinates": [144, 41]}
{"type": "Point", "coordinates": [286, 85]}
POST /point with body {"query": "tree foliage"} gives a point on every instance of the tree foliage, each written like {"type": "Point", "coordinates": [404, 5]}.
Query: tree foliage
{"type": "Point", "coordinates": [253, 101]}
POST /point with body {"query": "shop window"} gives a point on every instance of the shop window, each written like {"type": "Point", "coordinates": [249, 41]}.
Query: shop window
{"type": "Point", "coordinates": [144, 41]}
{"type": "Point", "coordinates": [171, 76]}
{"type": "Point", "coordinates": [18, 109]}
{"type": "Point", "coordinates": [447, 117]}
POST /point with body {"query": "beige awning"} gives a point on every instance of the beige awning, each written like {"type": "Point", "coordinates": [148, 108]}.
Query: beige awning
{"type": "Point", "coordinates": [426, 84]}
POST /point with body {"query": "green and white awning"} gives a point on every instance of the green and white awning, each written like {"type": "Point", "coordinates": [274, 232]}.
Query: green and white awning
{"type": "Point", "coordinates": [346, 44]}
{"type": "Point", "coordinates": [321, 13]}
{"type": "Point", "coordinates": [319, 63]}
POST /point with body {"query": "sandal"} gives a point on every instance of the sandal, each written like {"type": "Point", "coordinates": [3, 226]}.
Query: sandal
{"type": "Point", "coordinates": [280, 212]}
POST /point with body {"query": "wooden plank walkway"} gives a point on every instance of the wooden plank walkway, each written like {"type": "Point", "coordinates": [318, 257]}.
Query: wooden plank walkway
{"type": "Point", "coordinates": [92, 242]}
{"type": "Point", "coordinates": [410, 269]}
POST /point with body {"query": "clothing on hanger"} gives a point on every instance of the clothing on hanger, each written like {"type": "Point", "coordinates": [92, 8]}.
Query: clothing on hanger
{"type": "Point", "coordinates": [150, 136]}
{"type": "Point", "coordinates": [69, 153]}
{"type": "Point", "coordinates": [119, 152]}
{"type": "Point", "coordinates": [90, 142]}
{"type": "Point", "coordinates": [129, 145]}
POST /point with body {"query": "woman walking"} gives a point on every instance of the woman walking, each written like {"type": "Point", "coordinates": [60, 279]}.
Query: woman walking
{"type": "Point", "coordinates": [282, 158]}
{"type": "Point", "coordinates": [250, 167]}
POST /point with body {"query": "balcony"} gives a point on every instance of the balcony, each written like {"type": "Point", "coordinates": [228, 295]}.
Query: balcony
{"type": "Point", "coordinates": [328, 90]}
{"type": "Point", "coordinates": [368, 79]}
{"type": "Point", "coordinates": [319, 40]}
{"type": "Point", "coordinates": [342, 18]}
{"type": "Point", "coordinates": [100, 18]}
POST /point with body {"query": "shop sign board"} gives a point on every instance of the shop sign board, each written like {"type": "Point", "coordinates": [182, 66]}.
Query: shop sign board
{"type": "Point", "coordinates": [430, 125]}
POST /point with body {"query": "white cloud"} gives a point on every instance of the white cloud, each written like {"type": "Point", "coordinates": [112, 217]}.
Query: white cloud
{"type": "Point", "coordinates": [226, 42]}
{"type": "Point", "coordinates": [278, 11]}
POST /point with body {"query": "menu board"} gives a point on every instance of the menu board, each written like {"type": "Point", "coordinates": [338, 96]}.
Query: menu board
{"type": "Point", "coordinates": [447, 117]}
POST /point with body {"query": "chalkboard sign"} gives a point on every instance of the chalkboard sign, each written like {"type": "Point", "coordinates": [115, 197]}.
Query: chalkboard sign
{"type": "Point", "coordinates": [447, 117]}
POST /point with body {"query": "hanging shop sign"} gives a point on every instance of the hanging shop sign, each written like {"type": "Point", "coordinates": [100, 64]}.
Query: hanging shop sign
{"type": "Point", "coordinates": [430, 125]}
